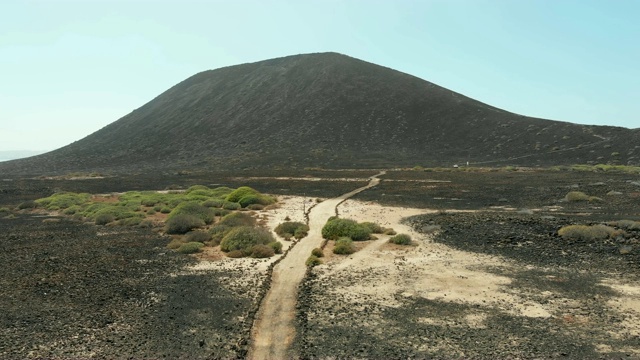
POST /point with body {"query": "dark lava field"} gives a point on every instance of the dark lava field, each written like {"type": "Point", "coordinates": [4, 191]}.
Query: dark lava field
{"type": "Point", "coordinates": [77, 290]}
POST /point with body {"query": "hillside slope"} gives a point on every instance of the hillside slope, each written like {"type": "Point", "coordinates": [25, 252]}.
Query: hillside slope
{"type": "Point", "coordinates": [325, 110]}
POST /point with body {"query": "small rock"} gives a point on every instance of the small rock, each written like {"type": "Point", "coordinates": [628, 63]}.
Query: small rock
{"type": "Point", "coordinates": [614, 193]}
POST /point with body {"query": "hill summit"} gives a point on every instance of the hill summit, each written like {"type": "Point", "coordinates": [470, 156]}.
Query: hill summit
{"type": "Point", "coordinates": [325, 110]}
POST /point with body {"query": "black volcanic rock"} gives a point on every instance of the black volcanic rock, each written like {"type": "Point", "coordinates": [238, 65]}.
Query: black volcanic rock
{"type": "Point", "coordinates": [325, 110]}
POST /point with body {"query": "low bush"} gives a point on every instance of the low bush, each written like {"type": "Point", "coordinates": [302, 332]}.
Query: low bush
{"type": "Point", "coordinates": [574, 196]}
{"type": "Point", "coordinates": [290, 227]}
{"type": "Point", "coordinates": [213, 203]}
{"type": "Point", "coordinates": [175, 243]}
{"type": "Point", "coordinates": [276, 246]}
{"type": "Point", "coordinates": [63, 200]}
{"type": "Point", "coordinates": [241, 192]}
{"type": "Point", "coordinates": [158, 208]}
{"type": "Point", "coordinates": [104, 219]}
{"type": "Point", "coordinates": [262, 251]}
{"type": "Point", "coordinates": [231, 205]}
{"type": "Point", "coordinates": [132, 221]}
{"type": "Point", "coordinates": [313, 261]}
{"type": "Point", "coordinates": [627, 224]}
{"type": "Point", "coordinates": [401, 239]}
{"type": "Point", "coordinates": [235, 254]}
{"type": "Point", "coordinates": [344, 246]}
{"type": "Point", "coordinates": [255, 207]}
{"type": "Point", "coordinates": [197, 236]}
{"type": "Point", "coordinates": [336, 228]}
{"type": "Point", "coordinates": [217, 233]}
{"type": "Point", "coordinates": [244, 238]}
{"type": "Point", "coordinates": [237, 219]}
{"type": "Point", "coordinates": [220, 212]}
{"type": "Point", "coordinates": [586, 232]}
{"type": "Point", "coordinates": [29, 204]}
{"type": "Point", "coordinates": [145, 224]}
{"type": "Point", "coordinates": [389, 231]}
{"type": "Point", "coordinates": [194, 209]}
{"type": "Point", "coordinates": [301, 232]}
{"type": "Point", "coordinates": [182, 223]}
{"type": "Point", "coordinates": [165, 210]}
{"type": "Point", "coordinates": [190, 247]}
{"type": "Point", "coordinates": [4, 212]}
{"type": "Point", "coordinates": [372, 227]}
{"type": "Point", "coordinates": [317, 252]}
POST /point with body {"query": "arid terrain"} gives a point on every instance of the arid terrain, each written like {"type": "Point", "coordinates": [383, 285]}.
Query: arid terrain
{"type": "Point", "coordinates": [485, 276]}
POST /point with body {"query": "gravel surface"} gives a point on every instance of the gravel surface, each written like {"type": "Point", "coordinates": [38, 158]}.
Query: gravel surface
{"type": "Point", "coordinates": [566, 279]}
{"type": "Point", "coordinates": [73, 290]}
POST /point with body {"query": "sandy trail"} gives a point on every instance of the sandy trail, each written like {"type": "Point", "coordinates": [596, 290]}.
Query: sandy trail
{"type": "Point", "coordinates": [274, 329]}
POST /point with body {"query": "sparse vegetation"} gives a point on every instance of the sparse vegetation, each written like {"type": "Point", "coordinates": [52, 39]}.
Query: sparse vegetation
{"type": "Point", "coordinates": [197, 236]}
{"type": "Point", "coordinates": [63, 200]}
{"type": "Point", "coordinates": [574, 196]}
{"type": "Point", "coordinates": [626, 224]}
{"type": "Point", "coordinates": [262, 251]}
{"type": "Point", "coordinates": [344, 246]}
{"type": "Point", "coordinates": [313, 261]}
{"type": "Point", "coordinates": [244, 238]}
{"type": "Point", "coordinates": [587, 232]}
{"type": "Point", "coordinates": [103, 219]}
{"type": "Point", "coordinates": [401, 239]}
{"type": "Point", "coordinates": [194, 209]}
{"type": "Point", "coordinates": [290, 228]}
{"type": "Point", "coordinates": [190, 248]}
{"type": "Point", "coordinates": [276, 246]}
{"type": "Point", "coordinates": [29, 204]}
{"type": "Point", "coordinates": [337, 227]}
{"type": "Point", "coordinates": [317, 252]}
{"type": "Point", "coordinates": [372, 227]}
{"type": "Point", "coordinates": [182, 223]}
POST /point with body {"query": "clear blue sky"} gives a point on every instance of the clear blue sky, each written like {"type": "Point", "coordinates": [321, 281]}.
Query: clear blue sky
{"type": "Point", "coordinates": [68, 68]}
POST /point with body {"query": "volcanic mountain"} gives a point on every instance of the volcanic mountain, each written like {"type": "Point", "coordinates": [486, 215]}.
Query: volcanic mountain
{"type": "Point", "coordinates": [325, 110]}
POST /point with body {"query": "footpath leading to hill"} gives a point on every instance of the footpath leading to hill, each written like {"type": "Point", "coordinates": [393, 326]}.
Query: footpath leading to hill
{"type": "Point", "coordinates": [274, 329]}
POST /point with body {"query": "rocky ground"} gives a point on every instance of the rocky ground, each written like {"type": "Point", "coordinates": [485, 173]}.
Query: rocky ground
{"type": "Point", "coordinates": [487, 278]}
{"type": "Point", "coordinates": [72, 290]}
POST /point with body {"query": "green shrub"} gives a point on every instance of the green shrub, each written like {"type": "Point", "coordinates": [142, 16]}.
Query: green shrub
{"type": "Point", "coordinates": [241, 192]}
{"type": "Point", "coordinates": [262, 251]}
{"type": "Point", "coordinates": [313, 261]}
{"type": "Point", "coordinates": [175, 243]}
{"type": "Point", "coordinates": [165, 210]}
{"type": "Point", "coordinates": [158, 208]}
{"type": "Point", "coordinates": [577, 196]}
{"type": "Point", "coordinates": [197, 236]}
{"type": "Point", "coordinates": [372, 227]}
{"type": "Point", "coordinates": [220, 212]}
{"type": "Point", "coordinates": [4, 212]}
{"type": "Point", "coordinates": [401, 239]}
{"type": "Point", "coordinates": [290, 227]}
{"type": "Point", "coordinates": [344, 246]}
{"type": "Point", "coordinates": [237, 219]}
{"type": "Point", "coordinates": [586, 232]}
{"type": "Point", "coordinates": [190, 247]}
{"type": "Point", "coordinates": [244, 238]}
{"type": "Point", "coordinates": [235, 254]}
{"type": "Point", "coordinates": [317, 252]}
{"type": "Point", "coordinates": [336, 228]}
{"type": "Point", "coordinates": [249, 200]}
{"type": "Point", "coordinates": [132, 221]}
{"type": "Point", "coordinates": [255, 207]}
{"type": "Point", "coordinates": [72, 210]}
{"type": "Point", "coordinates": [301, 232]}
{"type": "Point", "coordinates": [218, 232]}
{"type": "Point", "coordinates": [183, 223]}
{"type": "Point", "coordinates": [118, 212]}
{"type": "Point", "coordinates": [63, 200]}
{"type": "Point", "coordinates": [145, 224]}
{"type": "Point", "coordinates": [287, 236]}
{"type": "Point", "coordinates": [194, 209]}
{"type": "Point", "coordinates": [231, 206]}
{"type": "Point", "coordinates": [580, 196]}
{"type": "Point", "coordinates": [389, 231]}
{"type": "Point", "coordinates": [276, 246]}
{"type": "Point", "coordinates": [151, 212]}
{"type": "Point", "coordinates": [213, 203]}
{"type": "Point", "coordinates": [627, 224]}
{"type": "Point", "coordinates": [29, 204]}
{"type": "Point", "coordinates": [103, 219]}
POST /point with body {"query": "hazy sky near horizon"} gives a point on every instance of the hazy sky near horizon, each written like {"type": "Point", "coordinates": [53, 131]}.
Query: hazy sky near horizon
{"type": "Point", "coordinates": [69, 68]}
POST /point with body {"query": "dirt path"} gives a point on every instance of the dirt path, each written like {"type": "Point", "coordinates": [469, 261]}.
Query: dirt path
{"type": "Point", "coordinates": [274, 329]}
